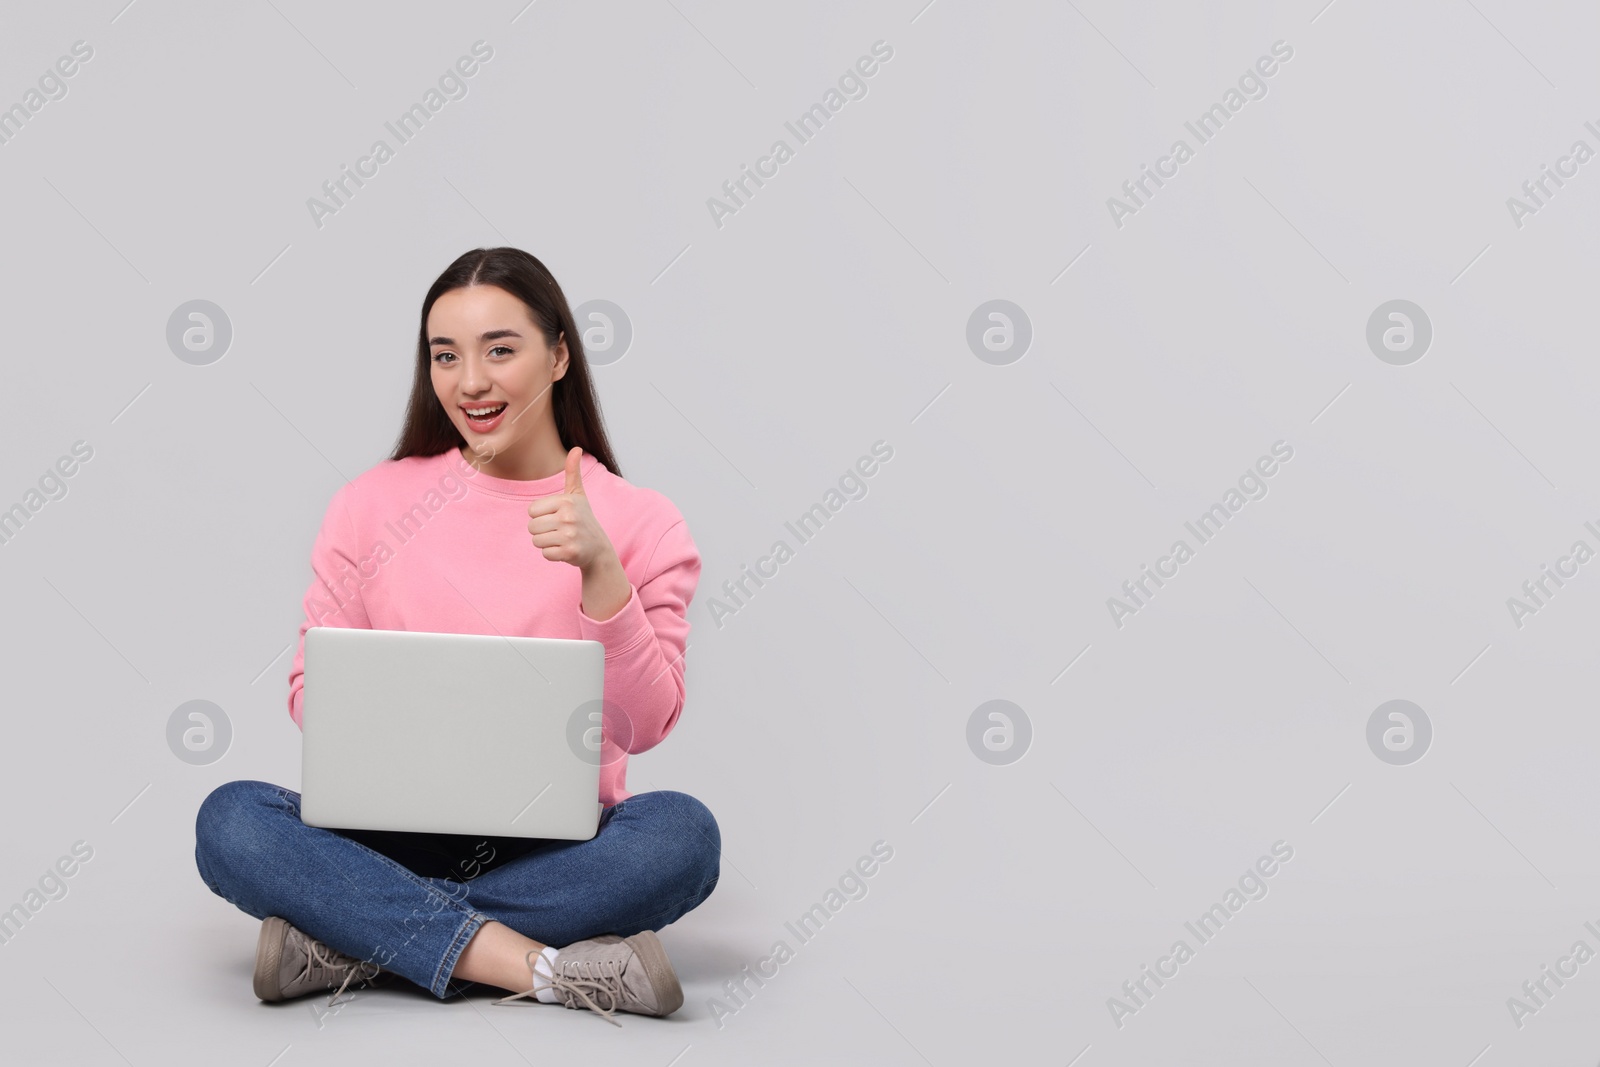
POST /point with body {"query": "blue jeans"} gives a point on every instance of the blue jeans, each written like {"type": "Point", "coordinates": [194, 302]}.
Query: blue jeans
{"type": "Point", "coordinates": [411, 902]}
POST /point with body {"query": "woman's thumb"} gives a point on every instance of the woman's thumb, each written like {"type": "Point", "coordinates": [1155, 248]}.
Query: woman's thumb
{"type": "Point", "coordinates": [574, 478]}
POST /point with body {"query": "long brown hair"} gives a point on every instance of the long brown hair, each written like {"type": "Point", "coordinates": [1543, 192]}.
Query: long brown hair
{"type": "Point", "coordinates": [428, 430]}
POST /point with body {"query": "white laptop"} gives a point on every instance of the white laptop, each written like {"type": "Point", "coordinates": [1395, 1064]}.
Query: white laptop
{"type": "Point", "coordinates": [451, 733]}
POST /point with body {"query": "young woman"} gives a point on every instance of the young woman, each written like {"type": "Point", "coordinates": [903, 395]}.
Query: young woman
{"type": "Point", "coordinates": [502, 510]}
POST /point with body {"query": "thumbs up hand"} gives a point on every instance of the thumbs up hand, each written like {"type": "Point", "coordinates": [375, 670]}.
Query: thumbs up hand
{"type": "Point", "coordinates": [565, 529]}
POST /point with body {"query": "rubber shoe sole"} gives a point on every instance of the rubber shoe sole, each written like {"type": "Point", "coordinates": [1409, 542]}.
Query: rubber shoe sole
{"type": "Point", "coordinates": [269, 958]}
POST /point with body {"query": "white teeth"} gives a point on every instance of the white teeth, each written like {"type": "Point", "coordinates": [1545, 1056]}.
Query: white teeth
{"type": "Point", "coordinates": [484, 411]}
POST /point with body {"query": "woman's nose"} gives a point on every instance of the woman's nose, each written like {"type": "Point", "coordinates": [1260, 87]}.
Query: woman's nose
{"type": "Point", "coordinates": [473, 379]}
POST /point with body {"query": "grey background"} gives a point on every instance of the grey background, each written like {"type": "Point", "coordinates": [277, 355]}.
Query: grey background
{"type": "Point", "coordinates": [768, 355]}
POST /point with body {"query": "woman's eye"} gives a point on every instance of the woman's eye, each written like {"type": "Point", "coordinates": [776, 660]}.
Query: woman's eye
{"type": "Point", "coordinates": [439, 357]}
{"type": "Point", "coordinates": [499, 348]}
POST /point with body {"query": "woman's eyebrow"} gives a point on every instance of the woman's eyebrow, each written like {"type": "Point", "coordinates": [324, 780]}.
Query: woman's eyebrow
{"type": "Point", "coordinates": [489, 335]}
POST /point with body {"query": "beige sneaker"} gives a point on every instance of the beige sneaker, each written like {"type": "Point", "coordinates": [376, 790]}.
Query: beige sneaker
{"type": "Point", "coordinates": [290, 963]}
{"type": "Point", "coordinates": [610, 974]}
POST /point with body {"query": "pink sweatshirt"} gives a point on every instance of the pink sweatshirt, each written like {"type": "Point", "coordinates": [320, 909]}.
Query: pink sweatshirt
{"type": "Point", "coordinates": [431, 544]}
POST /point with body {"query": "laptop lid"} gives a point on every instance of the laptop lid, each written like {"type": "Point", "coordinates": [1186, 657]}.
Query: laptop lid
{"type": "Point", "coordinates": [451, 733]}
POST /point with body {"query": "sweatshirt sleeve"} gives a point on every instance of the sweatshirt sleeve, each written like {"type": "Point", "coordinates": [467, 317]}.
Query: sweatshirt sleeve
{"type": "Point", "coordinates": [645, 643]}
{"type": "Point", "coordinates": [334, 597]}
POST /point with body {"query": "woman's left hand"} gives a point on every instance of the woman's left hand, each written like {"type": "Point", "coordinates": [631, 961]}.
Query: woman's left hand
{"type": "Point", "coordinates": [565, 529]}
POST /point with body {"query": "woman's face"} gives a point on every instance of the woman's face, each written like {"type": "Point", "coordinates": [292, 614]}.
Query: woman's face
{"type": "Point", "coordinates": [489, 356]}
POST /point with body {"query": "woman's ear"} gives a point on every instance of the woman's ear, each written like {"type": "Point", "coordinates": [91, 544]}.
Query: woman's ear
{"type": "Point", "coordinates": [559, 350]}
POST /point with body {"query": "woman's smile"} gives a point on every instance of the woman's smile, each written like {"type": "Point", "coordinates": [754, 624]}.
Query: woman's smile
{"type": "Point", "coordinates": [483, 418]}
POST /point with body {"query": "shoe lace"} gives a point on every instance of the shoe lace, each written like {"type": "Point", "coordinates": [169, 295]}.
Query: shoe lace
{"type": "Point", "coordinates": [324, 964]}
{"type": "Point", "coordinates": [601, 977]}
